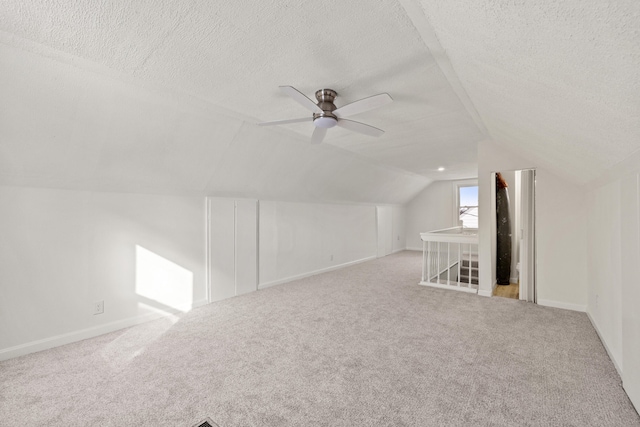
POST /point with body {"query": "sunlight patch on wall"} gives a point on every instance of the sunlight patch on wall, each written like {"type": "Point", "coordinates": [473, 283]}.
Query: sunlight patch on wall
{"type": "Point", "coordinates": [163, 282]}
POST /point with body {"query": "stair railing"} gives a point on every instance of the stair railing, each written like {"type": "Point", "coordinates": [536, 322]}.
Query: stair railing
{"type": "Point", "coordinates": [450, 259]}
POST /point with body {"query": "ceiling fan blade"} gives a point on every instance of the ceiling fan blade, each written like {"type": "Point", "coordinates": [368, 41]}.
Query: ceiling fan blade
{"type": "Point", "coordinates": [318, 135]}
{"type": "Point", "coordinates": [301, 99]}
{"type": "Point", "coordinates": [363, 105]}
{"type": "Point", "coordinates": [360, 127]}
{"type": "Point", "coordinates": [284, 122]}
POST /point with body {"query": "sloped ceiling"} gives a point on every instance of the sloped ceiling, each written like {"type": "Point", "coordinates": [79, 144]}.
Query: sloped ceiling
{"type": "Point", "coordinates": [557, 82]}
{"type": "Point", "coordinates": [164, 96]}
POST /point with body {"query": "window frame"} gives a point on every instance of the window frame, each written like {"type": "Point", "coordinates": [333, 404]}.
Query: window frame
{"type": "Point", "coordinates": [456, 198]}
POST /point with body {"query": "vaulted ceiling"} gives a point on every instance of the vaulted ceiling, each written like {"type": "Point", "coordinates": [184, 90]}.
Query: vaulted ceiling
{"type": "Point", "coordinates": [164, 96]}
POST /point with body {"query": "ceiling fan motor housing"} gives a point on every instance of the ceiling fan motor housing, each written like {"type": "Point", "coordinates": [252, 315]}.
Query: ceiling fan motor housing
{"type": "Point", "coordinates": [326, 119]}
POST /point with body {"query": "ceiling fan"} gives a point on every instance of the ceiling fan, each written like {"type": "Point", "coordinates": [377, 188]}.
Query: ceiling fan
{"type": "Point", "coordinates": [326, 115]}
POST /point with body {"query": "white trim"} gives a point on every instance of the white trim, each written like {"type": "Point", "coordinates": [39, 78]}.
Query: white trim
{"type": "Point", "coordinates": [420, 21]}
{"type": "Point", "coordinates": [207, 228]}
{"type": "Point", "coordinates": [313, 273]}
{"type": "Point", "coordinates": [485, 293]}
{"type": "Point", "coordinates": [564, 305]}
{"type": "Point", "coordinates": [451, 287]}
{"type": "Point", "coordinates": [460, 237]}
{"type": "Point", "coordinates": [257, 243]}
{"type": "Point", "coordinates": [398, 250]}
{"type": "Point", "coordinates": [513, 280]}
{"type": "Point", "coordinates": [413, 249]}
{"type": "Point", "coordinates": [604, 344]}
{"type": "Point", "coordinates": [235, 247]}
{"type": "Point", "coordinates": [83, 334]}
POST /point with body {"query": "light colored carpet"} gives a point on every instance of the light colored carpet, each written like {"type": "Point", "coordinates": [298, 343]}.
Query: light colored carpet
{"type": "Point", "coordinates": [362, 346]}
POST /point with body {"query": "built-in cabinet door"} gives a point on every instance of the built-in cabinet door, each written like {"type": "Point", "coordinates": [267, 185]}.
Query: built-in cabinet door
{"type": "Point", "coordinates": [630, 275]}
{"type": "Point", "coordinates": [222, 281]}
{"type": "Point", "coordinates": [246, 246]}
{"type": "Point", "coordinates": [233, 247]}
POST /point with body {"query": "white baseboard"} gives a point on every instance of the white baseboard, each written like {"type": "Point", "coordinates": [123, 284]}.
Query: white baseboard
{"type": "Point", "coordinates": [398, 250]}
{"type": "Point", "coordinates": [83, 334]}
{"type": "Point", "coordinates": [486, 293]}
{"type": "Point", "coordinates": [514, 280]}
{"type": "Point", "coordinates": [564, 305]}
{"type": "Point", "coordinates": [313, 273]}
{"type": "Point", "coordinates": [414, 249]}
{"type": "Point", "coordinates": [604, 344]}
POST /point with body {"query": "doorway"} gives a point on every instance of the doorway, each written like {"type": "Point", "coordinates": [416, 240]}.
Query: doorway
{"type": "Point", "coordinates": [520, 190]}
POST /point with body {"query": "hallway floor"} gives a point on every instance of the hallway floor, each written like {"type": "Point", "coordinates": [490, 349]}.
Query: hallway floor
{"type": "Point", "coordinates": [510, 291]}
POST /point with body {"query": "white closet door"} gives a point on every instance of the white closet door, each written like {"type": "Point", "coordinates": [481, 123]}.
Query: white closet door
{"type": "Point", "coordinates": [246, 246]}
{"type": "Point", "coordinates": [385, 230]}
{"type": "Point", "coordinates": [221, 248]}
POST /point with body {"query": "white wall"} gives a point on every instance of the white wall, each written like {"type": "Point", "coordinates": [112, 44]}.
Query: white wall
{"type": "Point", "coordinates": [630, 291]}
{"type": "Point", "coordinates": [560, 231]}
{"type": "Point", "coordinates": [399, 232]}
{"type": "Point", "coordinates": [299, 239]}
{"type": "Point", "coordinates": [146, 256]}
{"type": "Point", "coordinates": [605, 303]}
{"type": "Point", "coordinates": [391, 223]}
{"type": "Point", "coordinates": [614, 268]}
{"type": "Point", "coordinates": [432, 209]}
{"type": "Point", "coordinates": [63, 250]}
{"type": "Point", "coordinates": [384, 222]}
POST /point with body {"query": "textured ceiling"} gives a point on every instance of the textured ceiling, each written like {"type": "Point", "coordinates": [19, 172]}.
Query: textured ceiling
{"type": "Point", "coordinates": [556, 81]}
{"type": "Point", "coordinates": [164, 96]}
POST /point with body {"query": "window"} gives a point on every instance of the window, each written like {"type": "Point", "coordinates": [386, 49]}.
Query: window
{"type": "Point", "coordinates": [467, 204]}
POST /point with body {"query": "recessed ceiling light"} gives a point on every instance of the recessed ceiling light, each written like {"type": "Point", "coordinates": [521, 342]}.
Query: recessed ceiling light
{"type": "Point", "coordinates": [440, 169]}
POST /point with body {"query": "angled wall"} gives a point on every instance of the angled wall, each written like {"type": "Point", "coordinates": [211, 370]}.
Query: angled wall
{"type": "Point", "coordinates": [614, 268]}
{"type": "Point", "coordinates": [69, 123]}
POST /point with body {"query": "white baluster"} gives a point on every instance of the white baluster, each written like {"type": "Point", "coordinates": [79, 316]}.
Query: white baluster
{"type": "Point", "coordinates": [448, 263]}
{"type": "Point", "coordinates": [428, 261]}
{"type": "Point", "coordinates": [439, 269]}
{"type": "Point", "coordinates": [469, 264]}
{"type": "Point", "coordinates": [424, 258]}
{"type": "Point", "coordinates": [459, 261]}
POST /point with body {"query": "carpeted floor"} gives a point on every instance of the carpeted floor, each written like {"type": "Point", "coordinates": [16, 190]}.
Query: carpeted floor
{"type": "Point", "coordinates": [361, 346]}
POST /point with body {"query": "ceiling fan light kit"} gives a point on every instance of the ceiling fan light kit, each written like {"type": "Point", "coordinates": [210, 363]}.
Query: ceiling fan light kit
{"type": "Point", "coordinates": [326, 115]}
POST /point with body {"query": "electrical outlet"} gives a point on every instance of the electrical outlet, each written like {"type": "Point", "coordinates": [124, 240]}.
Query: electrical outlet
{"type": "Point", "coordinates": [98, 307]}
{"type": "Point", "coordinates": [331, 258]}
{"type": "Point", "coordinates": [398, 238]}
